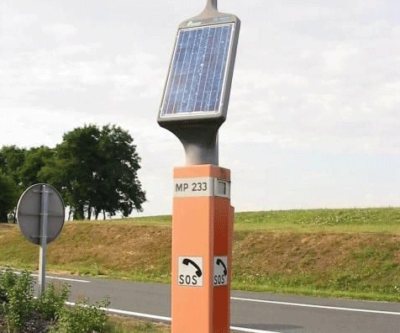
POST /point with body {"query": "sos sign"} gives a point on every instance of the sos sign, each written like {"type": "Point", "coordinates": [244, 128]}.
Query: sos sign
{"type": "Point", "coordinates": [220, 271]}
{"type": "Point", "coordinates": [190, 271]}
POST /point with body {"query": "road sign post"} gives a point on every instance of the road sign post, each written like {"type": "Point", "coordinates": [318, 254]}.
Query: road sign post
{"type": "Point", "coordinates": [194, 106]}
{"type": "Point", "coordinates": [41, 215]}
{"type": "Point", "coordinates": [44, 211]}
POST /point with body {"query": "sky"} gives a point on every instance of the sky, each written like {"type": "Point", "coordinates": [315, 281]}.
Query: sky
{"type": "Point", "coordinates": [313, 119]}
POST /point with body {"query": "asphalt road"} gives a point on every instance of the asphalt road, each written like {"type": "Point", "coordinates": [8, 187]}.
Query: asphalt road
{"type": "Point", "coordinates": [250, 312]}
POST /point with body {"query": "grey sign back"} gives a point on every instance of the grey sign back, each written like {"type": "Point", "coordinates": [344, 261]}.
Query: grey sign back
{"type": "Point", "coordinates": [29, 213]}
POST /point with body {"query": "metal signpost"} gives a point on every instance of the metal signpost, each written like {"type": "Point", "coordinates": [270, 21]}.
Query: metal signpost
{"type": "Point", "coordinates": [194, 106]}
{"type": "Point", "coordinates": [41, 216]}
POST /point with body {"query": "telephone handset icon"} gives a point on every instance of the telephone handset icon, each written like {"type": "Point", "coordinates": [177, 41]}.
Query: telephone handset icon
{"type": "Point", "coordinates": [187, 261]}
{"type": "Point", "coordinates": [220, 262]}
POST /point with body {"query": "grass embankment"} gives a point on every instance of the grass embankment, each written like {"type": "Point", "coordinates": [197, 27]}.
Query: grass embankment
{"type": "Point", "coordinates": [347, 253]}
{"type": "Point", "coordinates": [132, 325]}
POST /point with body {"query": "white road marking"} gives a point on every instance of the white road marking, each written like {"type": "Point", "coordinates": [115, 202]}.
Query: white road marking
{"type": "Point", "coordinates": [129, 313]}
{"type": "Point", "coordinates": [52, 277]}
{"type": "Point", "coordinates": [149, 316]}
{"type": "Point", "coordinates": [61, 278]}
{"type": "Point", "coordinates": [249, 330]}
{"type": "Point", "coordinates": [316, 306]}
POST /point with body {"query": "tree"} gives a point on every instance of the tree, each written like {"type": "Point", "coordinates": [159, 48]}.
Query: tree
{"type": "Point", "coordinates": [36, 159]}
{"type": "Point", "coordinates": [117, 187]}
{"type": "Point", "coordinates": [96, 170]}
{"type": "Point", "coordinates": [8, 196]}
{"type": "Point", "coordinates": [73, 167]}
{"type": "Point", "coordinates": [12, 160]}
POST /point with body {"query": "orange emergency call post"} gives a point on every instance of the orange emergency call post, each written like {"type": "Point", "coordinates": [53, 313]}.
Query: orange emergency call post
{"type": "Point", "coordinates": [202, 229]}
{"type": "Point", "coordinates": [194, 106]}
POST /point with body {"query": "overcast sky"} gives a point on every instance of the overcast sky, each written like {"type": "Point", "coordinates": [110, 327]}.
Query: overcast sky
{"type": "Point", "coordinates": [313, 120]}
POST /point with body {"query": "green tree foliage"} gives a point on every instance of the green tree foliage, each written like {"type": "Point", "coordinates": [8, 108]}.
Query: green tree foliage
{"type": "Point", "coordinates": [96, 170]}
{"type": "Point", "coordinates": [19, 169]}
{"type": "Point", "coordinates": [8, 196]}
{"type": "Point", "coordinates": [117, 187]}
{"type": "Point", "coordinates": [12, 159]}
{"type": "Point", "coordinates": [35, 160]}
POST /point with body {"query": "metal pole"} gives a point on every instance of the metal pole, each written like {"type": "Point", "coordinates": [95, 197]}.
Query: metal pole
{"type": "Point", "coordinates": [212, 4]}
{"type": "Point", "coordinates": [44, 210]}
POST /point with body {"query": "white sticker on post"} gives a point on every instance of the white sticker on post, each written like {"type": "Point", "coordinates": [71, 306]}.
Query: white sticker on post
{"type": "Point", "coordinates": [190, 271]}
{"type": "Point", "coordinates": [194, 187]}
{"type": "Point", "coordinates": [220, 271]}
{"type": "Point", "coordinates": [202, 187]}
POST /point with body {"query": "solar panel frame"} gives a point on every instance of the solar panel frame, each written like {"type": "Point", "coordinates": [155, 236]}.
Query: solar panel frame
{"type": "Point", "coordinates": [209, 100]}
{"type": "Point", "coordinates": [219, 115]}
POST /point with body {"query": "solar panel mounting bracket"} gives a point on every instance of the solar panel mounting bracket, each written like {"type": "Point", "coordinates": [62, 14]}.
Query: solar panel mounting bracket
{"type": "Point", "coordinates": [212, 5]}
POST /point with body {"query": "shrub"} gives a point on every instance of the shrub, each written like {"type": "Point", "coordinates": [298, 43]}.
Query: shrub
{"type": "Point", "coordinates": [7, 281]}
{"type": "Point", "coordinates": [52, 301]}
{"type": "Point", "coordinates": [82, 318]}
{"type": "Point", "coordinates": [18, 304]}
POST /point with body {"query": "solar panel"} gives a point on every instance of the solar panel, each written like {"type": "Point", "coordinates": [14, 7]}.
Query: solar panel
{"type": "Point", "coordinates": [199, 68]}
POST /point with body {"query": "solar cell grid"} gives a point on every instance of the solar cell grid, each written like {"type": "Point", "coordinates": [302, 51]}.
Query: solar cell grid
{"type": "Point", "coordinates": [198, 70]}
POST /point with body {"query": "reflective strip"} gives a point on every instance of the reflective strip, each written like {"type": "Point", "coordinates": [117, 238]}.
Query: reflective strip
{"type": "Point", "coordinates": [202, 187]}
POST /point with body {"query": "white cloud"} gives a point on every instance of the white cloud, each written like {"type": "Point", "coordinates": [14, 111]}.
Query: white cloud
{"type": "Point", "coordinates": [335, 57]}
{"type": "Point", "coordinates": [60, 31]}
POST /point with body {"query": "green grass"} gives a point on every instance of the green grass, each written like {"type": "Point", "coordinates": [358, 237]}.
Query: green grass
{"type": "Point", "coordinates": [130, 325]}
{"type": "Point", "coordinates": [368, 220]}
{"type": "Point", "coordinates": [160, 220]}
{"type": "Point", "coordinates": [351, 253]}
{"type": "Point", "coordinates": [372, 220]}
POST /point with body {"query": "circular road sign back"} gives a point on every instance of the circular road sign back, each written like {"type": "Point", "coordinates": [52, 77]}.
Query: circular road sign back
{"type": "Point", "coordinates": [29, 213]}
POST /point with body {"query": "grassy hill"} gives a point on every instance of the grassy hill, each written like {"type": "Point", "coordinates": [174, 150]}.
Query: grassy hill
{"type": "Point", "coordinates": [347, 252]}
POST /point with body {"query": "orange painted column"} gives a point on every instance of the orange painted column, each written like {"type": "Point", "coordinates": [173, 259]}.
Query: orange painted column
{"type": "Point", "coordinates": [202, 231]}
